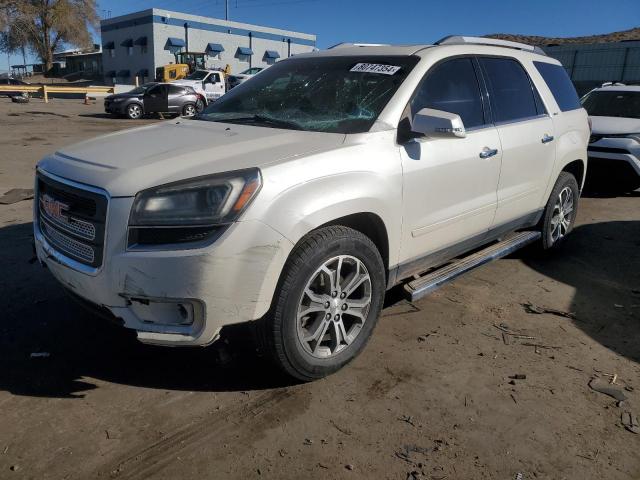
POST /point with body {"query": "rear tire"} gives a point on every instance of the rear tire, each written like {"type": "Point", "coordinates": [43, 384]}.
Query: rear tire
{"type": "Point", "coordinates": [189, 110]}
{"type": "Point", "coordinates": [327, 303]}
{"type": "Point", "coordinates": [560, 212]}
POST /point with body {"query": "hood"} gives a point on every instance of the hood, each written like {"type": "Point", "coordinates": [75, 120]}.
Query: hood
{"type": "Point", "coordinates": [614, 125]}
{"type": "Point", "coordinates": [187, 82]}
{"type": "Point", "coordinates": [125, 162]}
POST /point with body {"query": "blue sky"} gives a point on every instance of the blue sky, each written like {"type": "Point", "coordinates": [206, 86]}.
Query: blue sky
{"type": "Point", "coordinates": [405, 21]}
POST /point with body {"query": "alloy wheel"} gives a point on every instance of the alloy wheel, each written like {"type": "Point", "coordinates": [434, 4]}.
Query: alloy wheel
{"type": "Point", "coordinates": [334, 306]}
{"type": "Point", "coordinates": [189, 110]}
{"type": "Point", "coordinates": [134, 111]}
{"type": "Point", "coordinates": [562, 214]}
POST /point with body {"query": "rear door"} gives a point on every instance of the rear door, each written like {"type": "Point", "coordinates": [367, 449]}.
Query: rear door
{"type": "Point", "coordinates": [449, 183]}
{"type": "Point", "coordinates": [527, 137]}
{"type": "Point", "coordinates": [175, 98]}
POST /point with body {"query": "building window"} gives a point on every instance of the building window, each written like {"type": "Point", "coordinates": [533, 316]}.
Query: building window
{"type": "Point", "coordinates": [143, 49]}
{"type": "Point", "coordinates": [129, 51]}
{"type": "Point", "coordinates": [112, 53]}
{"type": "Point", "coordinates": [244, 58]}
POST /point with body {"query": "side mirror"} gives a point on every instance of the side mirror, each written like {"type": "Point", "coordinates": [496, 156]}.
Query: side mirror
{"type": "Point", "coordinates": [436, 123]}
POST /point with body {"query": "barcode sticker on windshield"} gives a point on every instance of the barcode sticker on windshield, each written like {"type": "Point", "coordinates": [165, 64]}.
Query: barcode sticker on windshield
{"type": "Point", "coordinates": [375, 68]}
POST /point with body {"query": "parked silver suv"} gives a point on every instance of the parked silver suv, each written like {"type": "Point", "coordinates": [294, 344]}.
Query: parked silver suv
{"type": "Point", "coordinates": [298, 198]}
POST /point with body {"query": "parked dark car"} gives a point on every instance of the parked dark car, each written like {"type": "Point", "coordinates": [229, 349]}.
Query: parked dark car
{"type": "Point", "coordinates": [155, 98]}
{"type": "Point", "coordinates": [11, 81]}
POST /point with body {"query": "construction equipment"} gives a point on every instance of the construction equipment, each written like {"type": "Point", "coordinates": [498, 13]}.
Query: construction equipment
{"type": "Point", "coordinates": [186, 63]}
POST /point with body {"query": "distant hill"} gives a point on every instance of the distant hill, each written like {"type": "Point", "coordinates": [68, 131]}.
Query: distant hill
{"type": "Point", "coordinates": [623, 36]}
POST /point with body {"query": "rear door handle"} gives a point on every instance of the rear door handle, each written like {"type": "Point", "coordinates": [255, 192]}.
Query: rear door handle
{"type": "Point", "coordinates": [547, 138]}
{"type": "Point", "coordinates": [488, 152]}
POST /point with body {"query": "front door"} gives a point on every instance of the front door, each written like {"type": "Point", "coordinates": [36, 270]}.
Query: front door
{"type": "Point", "coordinates": [213, 87]}
{"type": "Point", "coordinates": [156, 99]}
{"type": "Point", "coordinates": [527, 138]}
{"type": "Point", "coordinates": [449, 183]}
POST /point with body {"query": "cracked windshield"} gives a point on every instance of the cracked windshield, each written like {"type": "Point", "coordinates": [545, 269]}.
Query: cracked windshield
{"type": "Point", "coordinates": [331, 94]}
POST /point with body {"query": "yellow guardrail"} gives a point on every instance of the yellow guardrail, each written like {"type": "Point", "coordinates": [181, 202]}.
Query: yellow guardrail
{"type": "Point", "coordinates": [45, 90]}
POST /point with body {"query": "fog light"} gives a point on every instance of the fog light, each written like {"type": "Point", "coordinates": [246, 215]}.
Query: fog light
{"type": "Point", "coordinates": [162, 311]}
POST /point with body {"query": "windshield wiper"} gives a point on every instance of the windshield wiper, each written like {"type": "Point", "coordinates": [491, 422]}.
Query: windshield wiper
{"type": "Point", "coordinates": [260, 119]}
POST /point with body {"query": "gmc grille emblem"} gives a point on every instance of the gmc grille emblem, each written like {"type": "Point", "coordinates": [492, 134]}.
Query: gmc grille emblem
{"type": "Point", "coordinates": [54, 208]}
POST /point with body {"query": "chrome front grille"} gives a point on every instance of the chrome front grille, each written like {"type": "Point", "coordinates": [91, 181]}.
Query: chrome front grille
{"type": "Point", "coordinates": [68, 245]}
{"type": "Point", "coordinates": [72, 219]}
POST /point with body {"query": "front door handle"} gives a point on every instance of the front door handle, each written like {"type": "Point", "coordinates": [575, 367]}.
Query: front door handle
{"type": "Point", "coordinates": [488, 152]}
{"type": "Point", "coordinates": [547, 138]}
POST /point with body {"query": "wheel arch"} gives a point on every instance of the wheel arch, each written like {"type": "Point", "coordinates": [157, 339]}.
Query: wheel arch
{"type": "Point", "coordinates": [577, 169]}
{"type": "Point", "coordinates": [370, 225]}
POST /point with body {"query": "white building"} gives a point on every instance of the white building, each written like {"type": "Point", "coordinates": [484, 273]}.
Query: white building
{"type": "Point", "coordinates": [137, 43]}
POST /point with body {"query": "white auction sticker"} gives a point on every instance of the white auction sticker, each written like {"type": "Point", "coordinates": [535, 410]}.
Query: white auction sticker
{"type": "Point", "coordinates": [375, 68]}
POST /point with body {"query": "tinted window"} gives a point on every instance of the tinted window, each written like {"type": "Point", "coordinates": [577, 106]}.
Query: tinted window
{"type": "Point", "coordinates": [560, 85]}
{"type": "Point", "coordinates": [175, 90]}
{"type": "Point", "coordinates": [612, 103]}
{"type": "Point", "coordinates": [452, 87]}
{"type": "Point", "coordinates": [510, 90]}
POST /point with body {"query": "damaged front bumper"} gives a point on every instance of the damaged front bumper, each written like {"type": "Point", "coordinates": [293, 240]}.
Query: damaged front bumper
{"type": "Point", "coordinates": [175, 297]}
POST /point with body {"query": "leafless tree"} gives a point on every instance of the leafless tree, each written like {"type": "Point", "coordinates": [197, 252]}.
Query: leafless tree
{"type": "Point", "coordinates": [49, 24]}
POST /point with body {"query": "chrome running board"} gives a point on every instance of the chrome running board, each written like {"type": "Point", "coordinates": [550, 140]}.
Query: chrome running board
{"type": "Point", "coordinates": [433, 280]}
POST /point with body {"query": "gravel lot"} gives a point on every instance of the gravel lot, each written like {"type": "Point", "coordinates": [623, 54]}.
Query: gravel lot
{"type": "Point", "coordinates": [430, 397]}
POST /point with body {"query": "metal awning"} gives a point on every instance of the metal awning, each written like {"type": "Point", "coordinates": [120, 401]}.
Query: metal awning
{"type": "Point", "coordinates": [214, 48]}
{"type": "Point", "coordinates": [109, 46]}
{"type": "Point", "coordinates": [174, 42]}
{"type": "Point", "coordinates": [271, 54]}
{"type": "Point", "coordinates": [142, 41]}
{"type": "Point", "coordinates": [245, 51]}
{"type": "Point", "coordinates": [127, 43]}
{"type": "Point", "coordinates": [124, 73]}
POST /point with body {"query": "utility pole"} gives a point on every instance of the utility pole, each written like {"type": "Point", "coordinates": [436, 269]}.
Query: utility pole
{"type": "Point", "coordinates": [226, 9]}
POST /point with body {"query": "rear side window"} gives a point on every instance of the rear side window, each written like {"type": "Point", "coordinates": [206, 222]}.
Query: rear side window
{"type": "Point", "coordinates": [452, 87]}
{"type": "Point", "coordinates": [175, 90]}
{"type": "Point", "coordinates": [511, 92]}
{"type": "Point", "coordinates": [560, 85]}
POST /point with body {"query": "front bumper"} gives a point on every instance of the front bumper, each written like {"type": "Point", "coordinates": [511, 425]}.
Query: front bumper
{"type": "Point", "coordinates": [114, 107]}
{"type": "Point", "coordinates": [175, 297]}
{"type": "Point", "coordinates": [620, 151]}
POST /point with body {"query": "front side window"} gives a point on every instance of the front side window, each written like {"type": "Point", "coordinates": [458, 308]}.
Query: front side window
{"type": "Point", "coordinates": [511, 92]}
{"type": "Point", "coordinates": [556, 78]}
{"type": "Point", "coordinates": [612, 103]}
{"type": "Point", "coordinates": [323, 94]}
{"type": "Point", "coordinates": [452, 87]}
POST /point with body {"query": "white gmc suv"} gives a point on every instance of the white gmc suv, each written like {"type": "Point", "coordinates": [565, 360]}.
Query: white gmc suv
{"type": "Point", "coordinates": [297, 199]}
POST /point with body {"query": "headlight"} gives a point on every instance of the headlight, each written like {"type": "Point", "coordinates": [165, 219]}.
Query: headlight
{"type": "Point", "coordinates": [191, 210]}
{"type": "Point", "coordinates": [117, 99]}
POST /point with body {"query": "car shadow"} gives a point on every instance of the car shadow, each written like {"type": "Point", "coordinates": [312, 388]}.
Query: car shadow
{"type": "Point", "coordinates": [52, 347]}
{"type": "Point", "coordinates": [601, 261]}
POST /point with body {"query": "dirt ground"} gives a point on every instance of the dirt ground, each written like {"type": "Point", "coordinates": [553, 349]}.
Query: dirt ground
{"type": "Point", "coordinates": [430, 398]}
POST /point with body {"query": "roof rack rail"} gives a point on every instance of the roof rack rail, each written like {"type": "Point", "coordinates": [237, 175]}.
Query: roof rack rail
{"type": "Point", "coordinates": [348, 44]}
{"type": "Point", "coordinates": [463, 40]}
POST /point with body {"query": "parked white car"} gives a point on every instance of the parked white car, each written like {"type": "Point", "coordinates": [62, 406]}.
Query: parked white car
{"type": "Point", "coordinates": [238, 78]}
{"type": "Point", "coordinates": [614, 146]}
{"type": "Point", "coordinates": [296, 200]}
{"type": "Point", "coordinates": [209, 83]}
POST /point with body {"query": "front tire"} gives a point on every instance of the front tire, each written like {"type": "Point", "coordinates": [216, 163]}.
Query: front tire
{"type": "Point", "coordinates": [560, 212]}
{"type": "Point", "coordinates": [134, 111]}
{"type": "Point", "coordinates": [327, 304]}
